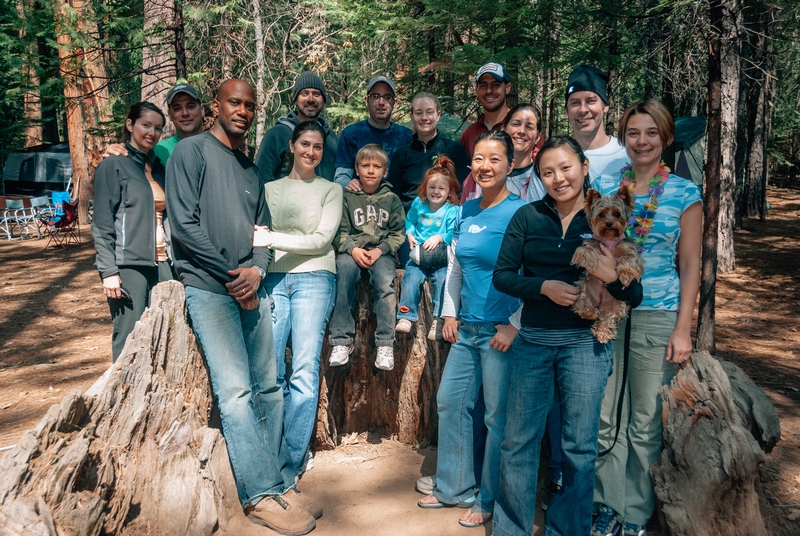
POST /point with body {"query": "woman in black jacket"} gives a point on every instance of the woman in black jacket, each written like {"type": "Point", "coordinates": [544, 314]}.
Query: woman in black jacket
{"type": "Point", "coordinates": [128, 223]}
{"type": "Point", "coordinates": [554, 348]}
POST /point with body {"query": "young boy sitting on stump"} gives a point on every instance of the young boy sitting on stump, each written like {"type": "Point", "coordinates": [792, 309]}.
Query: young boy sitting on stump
{"type": "Point", "coordinates": [370, 233]}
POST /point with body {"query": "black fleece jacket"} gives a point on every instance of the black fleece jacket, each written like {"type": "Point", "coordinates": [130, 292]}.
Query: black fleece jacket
{"type": "Point", "coordinates": [214, 198]}
{"type": "Point", "coordinates": [124, 222]}
{"type": "Point", "coordinates": [534, 240]}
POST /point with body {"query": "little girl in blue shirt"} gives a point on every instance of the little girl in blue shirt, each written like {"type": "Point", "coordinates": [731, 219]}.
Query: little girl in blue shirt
{"type": "Point", "coordinates": [429, 225]}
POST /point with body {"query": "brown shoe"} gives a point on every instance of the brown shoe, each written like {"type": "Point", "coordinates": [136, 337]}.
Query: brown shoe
{"type": "Point", "coordinates": [282, 516]}
{"type": "Point", "coordinates": [295, 496]}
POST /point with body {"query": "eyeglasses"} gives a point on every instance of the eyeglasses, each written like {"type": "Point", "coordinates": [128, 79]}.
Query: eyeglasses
{"type": "Point", "coordinates": [377, 96]}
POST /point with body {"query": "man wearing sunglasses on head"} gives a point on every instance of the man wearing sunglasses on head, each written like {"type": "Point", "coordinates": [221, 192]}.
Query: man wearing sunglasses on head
{"type": "Point", "coordinates": [378, 129]}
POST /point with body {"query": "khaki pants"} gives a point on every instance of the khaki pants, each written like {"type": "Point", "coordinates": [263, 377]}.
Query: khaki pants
{"type": "Point", "coordinates": [623, 476]}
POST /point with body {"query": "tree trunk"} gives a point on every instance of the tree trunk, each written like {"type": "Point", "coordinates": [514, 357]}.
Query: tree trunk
{"type": "Point", "coordinates": [134, 454]}
{"type": "Point", "coordinates": [86, 93]}
{"type": "Point", "coordinates": [717, 426]}
{"type": "Point", "coordinates": [31, 97]}
{"type": "Point", "coordinates": [261, 112]}
{"type": "Point", "coordinates": [711, 192]}
{"type": "Point", "coordinates": [159, 55]}
{"type": "Point", "coordinates": [400, 402]}
{"type": "Point", "coordinates": [730, 70]}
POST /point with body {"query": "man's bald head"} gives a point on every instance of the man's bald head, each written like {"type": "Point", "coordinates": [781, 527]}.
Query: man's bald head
{"type": "Point", "coordinates": [234, 108]}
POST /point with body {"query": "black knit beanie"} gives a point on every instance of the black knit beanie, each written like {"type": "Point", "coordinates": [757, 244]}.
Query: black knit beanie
{"type": "Point", "coordinates": [308, 80]}
{"type": "Point", "coordinates": [587, 78]}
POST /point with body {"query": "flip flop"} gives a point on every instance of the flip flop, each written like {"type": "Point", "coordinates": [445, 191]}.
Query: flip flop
{"type": "Point", "coordinates": [463, 504]}
{"type": "Point", "coordinates": [475, 510]}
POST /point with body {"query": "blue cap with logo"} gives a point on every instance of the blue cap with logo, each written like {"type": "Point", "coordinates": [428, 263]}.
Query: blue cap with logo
{"type": "Point", "coordinates": [494, 69]}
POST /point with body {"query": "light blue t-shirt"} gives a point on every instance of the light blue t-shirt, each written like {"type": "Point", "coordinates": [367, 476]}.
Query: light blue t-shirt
{"type": "Point", "coordinates": [479, 233]}
{"type": "Point", "coordinates": [424, 224]}
{"type": "Point", "coordinates": [660, 281]}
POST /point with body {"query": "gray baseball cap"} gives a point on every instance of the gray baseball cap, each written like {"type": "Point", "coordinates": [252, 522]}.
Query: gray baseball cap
{"type": "Point", "coordinates": [383, 79]}
{"type": "Point", "coordinates": [183, 88]}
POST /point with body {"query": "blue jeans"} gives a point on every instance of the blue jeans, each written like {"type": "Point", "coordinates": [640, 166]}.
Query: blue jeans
{"type": "Point", "coordinates": [240, 355]}
{"type": "Point", "coordinates": [471, 363]}
{"type": "Point", "coordinates": [581, 373]}
{"type": "Point", "coordinates": [554, 438]}
{"type": "Point", "coordinates": [384, 300]}
{"type": "Point", "coordinates": [414, 277]}
{"type": "Point", "coordinates": [302, 306]}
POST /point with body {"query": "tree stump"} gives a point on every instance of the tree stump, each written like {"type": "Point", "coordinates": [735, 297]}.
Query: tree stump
{"type": "Point", "coordinates": [717, 427]}
{"type": "Point", "coordinates": [135, 453]}
{"type": "Point", "coordinates": [401, 402]}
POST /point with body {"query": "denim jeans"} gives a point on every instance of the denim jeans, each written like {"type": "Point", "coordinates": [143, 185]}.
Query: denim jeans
{"type": "Point", "coordinates": [302, 306]}
{"type": "Point", "coordinates": [554, 438]}
{"type": "Point", "coordinates": [580, 372]}
{"type": "Point", "coordinates": [471, 363]}
{"type": "Point", "coordinates": [410, 295]}
{"type": "Point", "coordinates": [240, 355]}
{"type": "Point", "coordinates": [384, 301]}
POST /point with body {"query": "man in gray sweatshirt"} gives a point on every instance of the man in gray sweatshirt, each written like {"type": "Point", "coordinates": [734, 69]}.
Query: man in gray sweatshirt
{"type": "Point", "coordinates": [214, 199]}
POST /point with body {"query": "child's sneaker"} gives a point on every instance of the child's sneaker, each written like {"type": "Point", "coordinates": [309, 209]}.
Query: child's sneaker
{"type": "Point", "coordinates": [385, 358]}
{"type": "Point", "coordinates": [606, 523]}
{"type": "Point", "coordinates": [632, 529]}
{"type": "Point", "coordinates": [403, 326]}
{"type": "Point", "coordinates": [340, 355]}
{"type": "Point", "coordinates": [436, 330]}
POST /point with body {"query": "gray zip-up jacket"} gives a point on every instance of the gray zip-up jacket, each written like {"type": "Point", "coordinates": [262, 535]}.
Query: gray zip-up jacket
{"type": "Point", "coordinates": [124, 223]}
{"type": "Point", "coordinates": [214, 197]}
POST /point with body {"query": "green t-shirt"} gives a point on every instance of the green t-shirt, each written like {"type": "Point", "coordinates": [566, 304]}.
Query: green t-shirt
{"type": "Point", "coordinates": [164, 148]}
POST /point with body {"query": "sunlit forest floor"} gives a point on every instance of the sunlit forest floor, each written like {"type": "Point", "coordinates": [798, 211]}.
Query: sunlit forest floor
{"type": "Point", "coordinates": [55, 336]}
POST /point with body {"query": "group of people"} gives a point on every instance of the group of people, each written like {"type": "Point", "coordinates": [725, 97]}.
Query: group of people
{"type": "Point", "coordinates": [277, 247]}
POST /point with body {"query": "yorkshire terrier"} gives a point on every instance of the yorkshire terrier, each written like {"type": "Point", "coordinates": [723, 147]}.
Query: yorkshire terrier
{"type": "Point", "coordinates": [608, 218]}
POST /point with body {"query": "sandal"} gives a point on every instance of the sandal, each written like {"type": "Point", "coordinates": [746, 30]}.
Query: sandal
{"type": "Point", "coordinates": [468, 503]}
{"type": "Point", "coordinates": [475, 509]}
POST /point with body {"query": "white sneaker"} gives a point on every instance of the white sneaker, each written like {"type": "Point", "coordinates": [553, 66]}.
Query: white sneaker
{"type": "Point", "coordinates": [340, 355]}
{"type": "Point", "coordinates": [403, 326]}
{"type": "Point", "coordinates": [436, 330]}
{"type": "Point", "coordinates": [385, 358]}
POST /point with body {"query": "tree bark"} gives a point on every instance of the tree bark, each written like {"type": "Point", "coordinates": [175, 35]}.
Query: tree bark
{"type": "Point", "coordinates": [730, 71]}
{"type": "Point", "coordinates": [712, 183]}
{"type": "Point", "coordinates": [135, 453]}
{"type": "Point", "coordinates": [261, 112]}
{"type": "Point", "coordinates": [400, 402]}
{"type": "Point", "coordinates": [160, 53]}
{"type": "Point", "coordinates": [717, 426]}
{"type": "Point", "coordinates": [31, 98]}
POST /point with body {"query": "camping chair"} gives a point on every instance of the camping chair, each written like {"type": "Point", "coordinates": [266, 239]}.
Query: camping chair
{"type": "Point", "coordinates": [28, 222]}
{"type": "Point", "coordinates": [8, 218]}
{"type": "Point", "coordinates": [62, 227]}
{"type": "Point", "coordinates": [42, 210]}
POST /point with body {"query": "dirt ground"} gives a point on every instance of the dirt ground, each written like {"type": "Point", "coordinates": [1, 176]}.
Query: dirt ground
{"type": "Point", "coordinates": [55, 336]}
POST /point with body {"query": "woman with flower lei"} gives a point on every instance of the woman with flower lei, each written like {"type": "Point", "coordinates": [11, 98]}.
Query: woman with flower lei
{"type": "Point", "coordinates": [667, 226]}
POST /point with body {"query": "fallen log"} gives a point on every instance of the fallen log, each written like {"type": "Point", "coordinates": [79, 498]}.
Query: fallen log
{"type": "Point", "coordinates": [135, 453]}
{"type": "Point", "coordinates": [717, 427]}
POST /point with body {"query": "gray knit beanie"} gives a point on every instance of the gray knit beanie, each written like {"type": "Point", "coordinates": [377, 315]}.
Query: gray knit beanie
{"type": "Point", "coordinates": [308, 80]}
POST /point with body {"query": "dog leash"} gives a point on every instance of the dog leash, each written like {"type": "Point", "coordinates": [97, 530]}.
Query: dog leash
{"type": "Point", "coordinates": [620, 401]}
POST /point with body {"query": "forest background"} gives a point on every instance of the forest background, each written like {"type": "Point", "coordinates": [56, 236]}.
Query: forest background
{"type": "Point", "coordinates": [69, 69]}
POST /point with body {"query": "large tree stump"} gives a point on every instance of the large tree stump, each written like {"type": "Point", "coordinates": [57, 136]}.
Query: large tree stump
{"type": "Point", "coordinates": [135, 453]}
{"type": "Point", "coordinates": [717, 427]}
{"type": "Point", "coordinates": [360, 398]}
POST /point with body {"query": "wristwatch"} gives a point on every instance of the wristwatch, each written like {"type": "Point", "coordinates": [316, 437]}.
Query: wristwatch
{"type": "Point", "coordinates": [261, 272]}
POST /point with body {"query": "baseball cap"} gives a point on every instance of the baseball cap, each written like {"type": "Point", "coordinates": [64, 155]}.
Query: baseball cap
{"type": "Point", "coordinates": [494, 69]}
{"type": "Point", "coordinates": [183, 88]}
{"type": "Point", "coordinates": [378, 79]}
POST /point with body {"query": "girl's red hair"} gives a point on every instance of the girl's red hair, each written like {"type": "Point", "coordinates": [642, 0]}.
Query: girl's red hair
{"type": "Point", "coordinates": [445, 167]}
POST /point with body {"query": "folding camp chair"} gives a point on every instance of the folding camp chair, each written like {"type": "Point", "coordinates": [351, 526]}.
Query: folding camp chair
{"type": "Point", "coordinates": [62, 227]}
{"type": "Point", "coordinates": [8, 218]}
{"type": "Point", "coordinates": [28, 222]}
{"type": "Point", "coordinates": [42, 210]}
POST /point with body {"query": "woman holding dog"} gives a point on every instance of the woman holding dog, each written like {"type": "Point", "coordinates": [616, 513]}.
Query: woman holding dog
{"type": "Point", "coordinates": [667, 226]}
{"type": "Point", "coordinates": [554, 348]}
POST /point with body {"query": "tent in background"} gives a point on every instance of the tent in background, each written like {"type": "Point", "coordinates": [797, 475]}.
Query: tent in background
{"type": "Point", "coordinates": [38, 169]}
{"type": "Point", "coordinates": [690, 148]}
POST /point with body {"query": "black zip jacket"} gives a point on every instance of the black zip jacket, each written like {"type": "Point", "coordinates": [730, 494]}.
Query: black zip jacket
{"type": "Point", "coordinates": [124, 222]}
{"type": "Point", "coordinates": [214, 197]}
{"type": "Point", "coordinates": [534, 240]}
{"type": "Point", "coordinates": [410, 162]}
